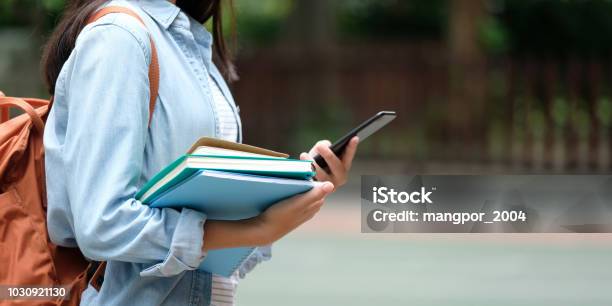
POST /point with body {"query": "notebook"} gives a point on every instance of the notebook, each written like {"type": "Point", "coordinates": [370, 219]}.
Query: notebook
{"type": "Point", "coordinates": [228, 196]}
{"type": "Point", "coordinates": [215, 154]}
{"type": "Point", "coordinates": [214, 151]}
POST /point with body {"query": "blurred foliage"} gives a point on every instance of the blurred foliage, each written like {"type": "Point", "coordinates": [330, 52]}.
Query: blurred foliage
{"type": "Point", "coordinates": [10, 12]}
{"type": "Point", "coordinates": [393, 18]}
{"type": "Point", "coordinates": [510, 29]}
{"type": "Point", "coordinates": [604, 111]}
{"type": "Point", "coordinates": [493, 36]}
{"type": "Point", "coordinates": [537, 123]}
{"type": "Point", "coordinates": [260, 22]}
{"type": "Point", "coordinates": [540, 27]}
{"type": "Point", "coordinates": [496, 139]}
{"type": "Point", "coordinates": [557, 28]}
{"type": "Point", "coordinates": [53, 5]}
{"type": "Point", "coordinates": [331, 121]}
{"type": "Point", "coordinates": [582, 122]}
{"type": "Point", "coordinates": [560, 111]}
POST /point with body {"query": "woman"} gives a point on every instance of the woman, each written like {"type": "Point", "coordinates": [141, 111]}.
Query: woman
{"type": "Point", "coordinates": [100, 151]}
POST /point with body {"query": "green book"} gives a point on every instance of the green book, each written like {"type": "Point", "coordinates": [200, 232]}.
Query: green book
{"type": "Point", "coordinates": [214, 154]}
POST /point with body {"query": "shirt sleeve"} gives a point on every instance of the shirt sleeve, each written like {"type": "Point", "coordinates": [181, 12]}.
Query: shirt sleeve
{"type": "Point", "coordinates": [260, 255]}
{"type": "Point", "coordinates": [103, 154]}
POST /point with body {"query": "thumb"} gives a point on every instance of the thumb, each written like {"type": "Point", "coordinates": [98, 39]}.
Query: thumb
{"type": "Point", "coordinates": [319, 191]}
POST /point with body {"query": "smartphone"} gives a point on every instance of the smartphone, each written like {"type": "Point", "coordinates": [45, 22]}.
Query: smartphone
{"type": "Point", "coordinates": [362, 131]}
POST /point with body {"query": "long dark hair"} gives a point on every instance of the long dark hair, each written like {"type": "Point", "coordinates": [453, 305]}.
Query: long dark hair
{"type": "Point", "coordinates": [63, 39]}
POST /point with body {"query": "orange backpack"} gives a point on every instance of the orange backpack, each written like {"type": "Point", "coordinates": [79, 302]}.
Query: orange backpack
{"type": "Point", "coordinates": [27, 256]}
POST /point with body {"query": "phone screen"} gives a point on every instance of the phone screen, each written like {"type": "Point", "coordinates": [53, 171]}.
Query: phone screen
{"type": "Point", "coordinates": [375, 125]}
{"type": "Point", "coordinates": [362, 131]}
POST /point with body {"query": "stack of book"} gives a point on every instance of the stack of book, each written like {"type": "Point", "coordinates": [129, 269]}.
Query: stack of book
{"type": "Point", "coordinates": [227, 181]}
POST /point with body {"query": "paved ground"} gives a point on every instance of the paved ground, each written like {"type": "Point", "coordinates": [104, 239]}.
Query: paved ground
{"type": "Point", "coordinates": [329, 262]}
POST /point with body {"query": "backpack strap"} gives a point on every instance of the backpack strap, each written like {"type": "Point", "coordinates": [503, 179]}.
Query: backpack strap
{"type": "Point", "coordinates": [28, 108]}
{"type": "Point", "coordinates": [97, 278]}
{"type": "Point", "coordinates": [153, 66]}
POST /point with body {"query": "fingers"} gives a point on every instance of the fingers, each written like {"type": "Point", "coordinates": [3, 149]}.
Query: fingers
{"type": "Point", "coordinates": [318, 192]}
{"type": "Point", "coordinates": [313, 209]}
{"type": "Point", "coordinates": [316, 205]}
{"type": "Point", "coordinates": [349, 153]}
{"type": "Point", "coordinates": [305, 156]}
{"type": "Point", "coordinates": [321, 175]}
{"type": "Point", "coordinates": [324, 143]}
{"type": "Point", "coordinates": [306, 205]}
{"type": "Point", "coordinates": [337, 168]}
{"type": "Point", "coordinates": [310, 211]}
{"type": "Point", "coordinates": [335, 165]}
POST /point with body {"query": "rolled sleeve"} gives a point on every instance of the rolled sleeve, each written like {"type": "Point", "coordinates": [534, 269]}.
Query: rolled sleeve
{"type": "Point", "coordinates": [186, 248]}
{"type": "Point", "coordinates": [260, 255]}
{"type": "Point", "coordinates": [103, 153]}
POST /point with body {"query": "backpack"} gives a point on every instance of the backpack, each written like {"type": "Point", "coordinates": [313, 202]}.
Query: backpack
{"type": "Point", "coordinates": [27, 256]}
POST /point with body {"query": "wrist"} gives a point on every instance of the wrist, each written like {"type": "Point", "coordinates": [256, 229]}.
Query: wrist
{"type": "Point", "coordinates": [220, 234]}
{"type": "Point", "coordinates": [261, 232]}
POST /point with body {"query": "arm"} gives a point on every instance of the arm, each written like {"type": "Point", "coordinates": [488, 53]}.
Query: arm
{"type": "Point", "coordinates": [232, 234]}
{"type": "Point", "coordinates": [274, 223]}
{"type": "Point", "coordinates": [266, 228]}
{"type": "Point", "coordinates": [103, 155]}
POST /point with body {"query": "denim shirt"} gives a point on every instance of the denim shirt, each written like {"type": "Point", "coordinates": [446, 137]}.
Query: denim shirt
{"type": "Point", "coordinates": [100, 151]}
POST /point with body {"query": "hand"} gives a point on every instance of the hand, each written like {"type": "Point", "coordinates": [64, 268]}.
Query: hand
{"type": "Point", "coordinates": [338, 168]}
{"type": "Point", "coordinates": [287, 215]}
{"type": "Point", "coordinates": [274, 223]}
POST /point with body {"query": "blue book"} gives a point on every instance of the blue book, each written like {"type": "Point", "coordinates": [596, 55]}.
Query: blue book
{"type": "Point", "coordinates": [228, 196]}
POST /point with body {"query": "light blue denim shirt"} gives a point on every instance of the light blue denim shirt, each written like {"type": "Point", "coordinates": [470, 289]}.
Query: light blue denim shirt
{"type": "Point", "coordinates": [100, 151]}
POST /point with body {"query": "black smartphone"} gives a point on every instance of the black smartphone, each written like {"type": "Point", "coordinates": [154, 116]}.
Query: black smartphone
{"type": "Point", "coordinates": [362, 131]}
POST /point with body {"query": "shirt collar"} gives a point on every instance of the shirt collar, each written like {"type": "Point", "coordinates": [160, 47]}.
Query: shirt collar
{"type": "Point", "coordinates": [162, 11]}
